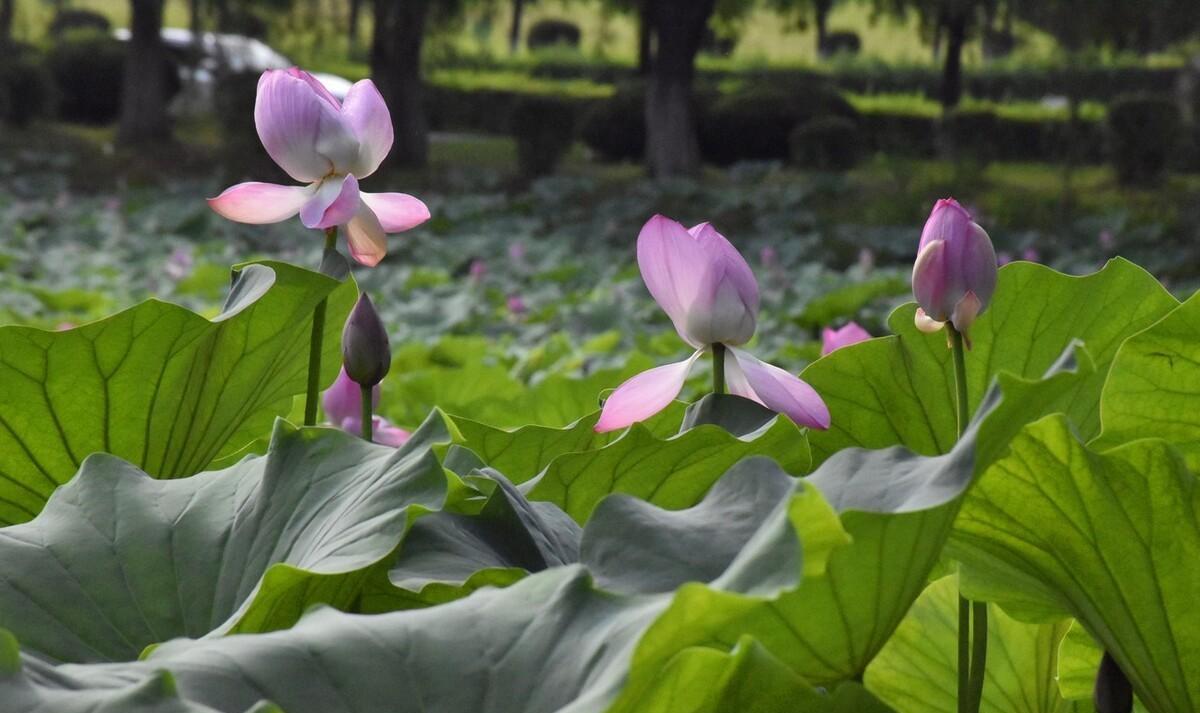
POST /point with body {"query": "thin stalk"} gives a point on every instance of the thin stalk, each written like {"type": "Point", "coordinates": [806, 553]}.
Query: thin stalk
{"type": "Point", "coordinates": [718, 368]}
{"type": "Point", "coordinates": [316, 341]}
{"type": "Point", "coordinates": [972, 645]}
{"type": "Point", "coordinates": [367, 417]}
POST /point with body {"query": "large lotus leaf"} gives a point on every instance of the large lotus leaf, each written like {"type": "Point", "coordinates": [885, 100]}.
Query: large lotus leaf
{"type": "Point", "coordinates": [552, 642]}
{"type": "Point", "coordinates": [1154, 387]}
{"type": "Point", "coordinates": [898, 508]}
{"type": "Point", "coordinates": [447, 555]}
{"type": "Point", "coordinates": [672, 472]}
{"type": "Point", "coordinates": [118, 561]}
{"type": "Point", "coordinates": [524, 452]}
{"type": "Point", "coordinates": [157, 385]}
{"type": "Point", "coordinates": [917, 671]}
{"type": "Point", "coordinates": [899, 390]}
{"type": "Point", "coordinates": [1111, 538]}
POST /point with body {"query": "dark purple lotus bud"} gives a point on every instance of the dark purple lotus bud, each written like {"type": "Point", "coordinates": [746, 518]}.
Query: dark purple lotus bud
{"type": "Point", "coordinates": [366, 353]}
{"type": "Point", "coordinates": [1113, 693]}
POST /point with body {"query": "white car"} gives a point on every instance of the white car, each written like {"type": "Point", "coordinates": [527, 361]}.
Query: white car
{"type": "Point", "coordinates": [222, 54]}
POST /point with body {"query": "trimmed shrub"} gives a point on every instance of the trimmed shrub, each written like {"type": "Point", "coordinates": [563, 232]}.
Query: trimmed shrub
{"type": "Point", "coordinates": [544, 128]}
{"type": "Point", "coordinates": [616, 128]}
{"type": "Point", "coordinates": [67, 21]}
{"type": "Point", "coordinates": [827, 143]}
{"type": "Point", "coordinates": [88, 68]}
{"type": "Point", "coordinates": [1143, 132]}
{"type": "Point", "coordinates": [26, 87]}
{"type": "Point", "coordinates": [551, 33]}
{"type": "Point", "coordinates": [754, 124]}
{"type": "Point", "coordinates": [973, 133]}
{"type": "Point", "coordinates": [835, 43]}
{"type": "Point", "coordinates": [717, 44]}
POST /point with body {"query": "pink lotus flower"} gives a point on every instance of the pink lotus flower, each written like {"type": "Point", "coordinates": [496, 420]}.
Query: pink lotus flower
{"type": "Point", "coordinates": [955, 272]}
{"type": "Point", "coordinates": [1031, 254]}
{"type": "Point", "coordinates": [478, 270]}
{"type": "Point", "coordinates": [834, 339]}
{"type": "Point", "coordinates": [707, 289]}
{"type": "Point", "coordinates": [329, 146]}
{"type": "Point", "coordinates": [343, 408]}
{"type": "Point", "coordinates": [516, 305]}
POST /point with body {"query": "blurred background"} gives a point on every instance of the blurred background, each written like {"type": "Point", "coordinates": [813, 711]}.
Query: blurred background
{"type": "Point", "coordinates": [815, 134]}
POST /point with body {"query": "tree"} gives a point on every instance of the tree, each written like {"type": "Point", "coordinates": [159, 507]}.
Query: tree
{"type": "Point", "coordinates": [396, 67]}
{"type": "Point", "coordinates": [954, 18]}
{"type": "Point", "coordinates": [7, 12]}
{"type": "Point", "coordinates": [514, 32]}
{"type": "Point", "coordinates": [799, 9]}
{"type": "Point", "coordinates": [672, 146]}
{"type": "Point", "coordinates": [144, 90]}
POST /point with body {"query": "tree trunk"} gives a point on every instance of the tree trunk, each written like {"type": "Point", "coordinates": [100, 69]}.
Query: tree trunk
{"type": "Point", "coordinates": [956, 34]}
{"type": "Point", "coordinates": [514, 32]}
{"type": "Point", "coordinates": [144, 91]}
{"type": "Point", "coordinates": [396, 67]}
{"type": "Point", "coordinates": [352, 23]}
{"type": "Point", "coordinates": [223, 18]}
{"type": "Point", "coordinates": [7, 12]}
{"type": "Point", "coordinates": [672, 146]}
{"type": "Point", "coordinates": [821, 10]}
{"type": "Point", "coordinates": [645, 39]}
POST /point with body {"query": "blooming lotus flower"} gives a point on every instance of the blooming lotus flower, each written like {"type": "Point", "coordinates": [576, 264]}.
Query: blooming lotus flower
{"type": "Point", "coordinates": [343, 408]}
{"type": "Point", "coordinates": [707, 289]}
{"type": "Point", "coordinates": [478, 270]}
{"type": "Point", "coordinates": [834, 339]}
{"type": "Point", "coordinates": [329, 146]}
{"type": "Point", "coordinates": [955, 272]}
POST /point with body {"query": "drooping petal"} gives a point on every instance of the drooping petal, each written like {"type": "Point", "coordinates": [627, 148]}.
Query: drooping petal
{"type": "Point", "coordinates": [927, 324]}
{"type": "Point", "coordinates": [644, 395]}
{"type": "Point", "coordinates": [965, 312]}
{"type": "Point", "coordinates": [334, 203]}
{"type": "Point", "coordinates": [737, 383]}
{"type": "Point", "coordinates": [343, 400]}
{"type": "Point", "coordinates": [783, 392]}
{"type": "Point", "coordinates": [292, 120]}
{"type": "Point", "coordinates": [397, 212]}
{"type": "Point", "coordinates": [260, 203]}
{"type": "Point", "coordinates": [833, 339]}
{"type": "Point", "coordinates": [367, 115]}
{"type": "Point", "coordinates": [673, 266]}
{"type": "Point", "coordinates": [386, 434]}
{"type": "Point", "coordinates": [365, 236]}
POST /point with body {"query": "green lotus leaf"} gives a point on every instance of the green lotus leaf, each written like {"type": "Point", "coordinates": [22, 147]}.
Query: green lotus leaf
{"type": "Point", "coordinates": [1109, 538]}
{"type": "Point", "coordinates": [118, 561]}
{"type": "Point", "coordinates": [157, 385]}
{"type": "Point", "coordinates": [917, 671]}
{"type": "Point", "coordinates": [899, 390]}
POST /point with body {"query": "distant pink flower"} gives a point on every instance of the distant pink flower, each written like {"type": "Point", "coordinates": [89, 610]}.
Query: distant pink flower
{"type": "Point", "coordinates": [64, 326]}
{"type": "Point", "coordinates": [954, 275]}
{"type": "Point", "coordinates": [866, 259]}
{"type": "Point", "coordinates": [477, 270]}
{"type": "Point", "coordinates": [833, 339]}
{"type": "Point", "coordinates": [329, 146]}
{"type": "Point", "coordinates": [343, 408]}
{"type": "Point", "coordinates": [768, 256]}
{"type": "Point", "coordinates": [1031, 254]}
{"type": "Point", "coordinates": [516, 252]}
{"type": "Point", "coordinates": [516, 305]}
{"type": "Point", "coordinates": [1107, 240]}
{"type": "Point", "coordinates": [179, 263]}
{"type": "Point", "coordinates": [705, 286]}
{"type": "Point", "coordinates": [1003, 259]}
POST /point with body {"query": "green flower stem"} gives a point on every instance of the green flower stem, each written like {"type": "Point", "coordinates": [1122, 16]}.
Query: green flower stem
{"type": "Point", "coordinates": [972, 645]}
{"type": "Point", "coordinates": [367, 417]}
{"type": "Point", "coordinates": [718, 368]}
{"type": "Point", "coordinates": [315, 344]}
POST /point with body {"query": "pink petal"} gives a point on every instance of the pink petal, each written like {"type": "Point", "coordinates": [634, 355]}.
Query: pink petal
{"type": "Point", "coordinates": [783, 392]}
{"type": "Point", "coordinates": [834, 339]}
{"type": "Point", "coordinates": [946, 221]}
{"type": "Point", "coordinates": [397, 212]}
{"type": "Point", "coordinates": [297, 125]}
{"type": "Point", "coordinates": [367, 115]}
{"type": "Point", "coordinates": [365, 236]}
{"type": "Point", "coordinates": [315, 84]}
{"type": "Point", "coordinates": [335, 203]}
{"type": "Point", "coordinates": [737, 383]}
{"type": "Point", "coordinates": [644, 395]}
{"type": "Point", "coordinates": [673, 266]}
{"type": "Point", "coordinates": [260, 203]}
{"type": "Point", "coordinates": [737, 269]}
{"type": "Point", "coordinates": [343, 400]}
{"type": "Point", "coordinates": [384, 433]}
{"type": "Point", "coordinates": [927, 324]}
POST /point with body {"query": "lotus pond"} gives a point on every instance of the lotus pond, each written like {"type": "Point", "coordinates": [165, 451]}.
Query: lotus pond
{"type": "Point", "coordinates": [562, 510]}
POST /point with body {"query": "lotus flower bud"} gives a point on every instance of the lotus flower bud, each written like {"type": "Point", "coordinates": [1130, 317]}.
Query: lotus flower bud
{"type": "Point", "coordinates": [954, 276]}
{"type": "Point", "coordinates": [1113, 692]}
{"type": "Point", "coordinates": [366, 354]}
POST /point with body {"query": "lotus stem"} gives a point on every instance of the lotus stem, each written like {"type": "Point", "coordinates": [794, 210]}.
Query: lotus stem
{"type": "Point", "coordinates": [972, 645]}
{"type": "Point", "coordinates": [718, 354]}
{"type": "Point", "coordinates": [367, 417]}
{"type": "Point", "coordinates": [315, 344]}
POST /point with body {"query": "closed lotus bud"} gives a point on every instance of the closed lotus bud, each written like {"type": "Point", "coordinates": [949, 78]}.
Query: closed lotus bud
{"type": "Point", "coordinates": [954, 276]}
{"type": "Point", "coordinates": [366, 354]}
{"type": "Point", "coordinates": [1113, 693]}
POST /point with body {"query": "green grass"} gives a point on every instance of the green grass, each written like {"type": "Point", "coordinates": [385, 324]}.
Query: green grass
{"type": "Point", "coordinates": [920, 105]}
